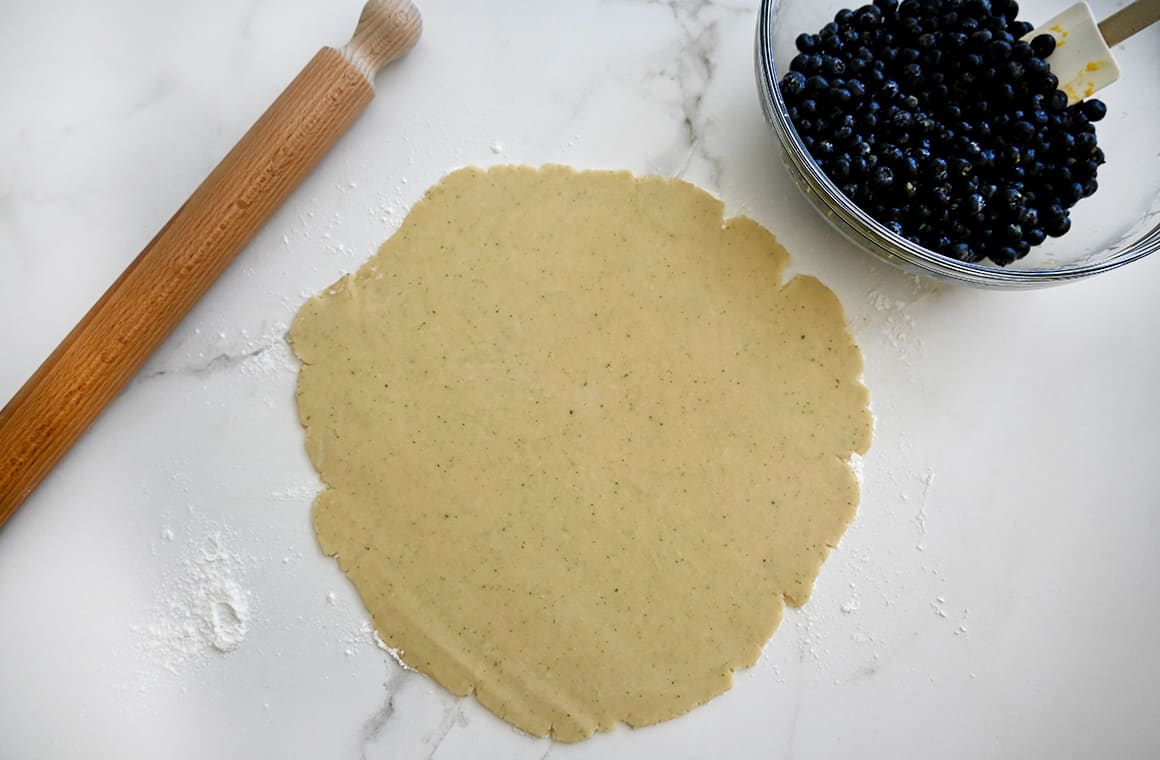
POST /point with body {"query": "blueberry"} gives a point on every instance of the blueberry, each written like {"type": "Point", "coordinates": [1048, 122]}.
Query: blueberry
{"type": "Point", "coordinates": [807, 43]}
{"type": "Point", "coordinates": [1036, 66]}
{"type": "Point", "coordinates": [1085, 143]}
{"type": "Point", "coordinates": [833, 45]}
{"type": "Point", "coordinates": [1064, 144]}
{"type": "Point", "coordinates": [980, 40]}
{"type": "Point", "coordinates": [1028, 217]}
{"type": "Point", "coordinates": [1023, 130]}
{"type": "Point", "coordinates": [889, 153]}
{"type": "Point", "coordinates": [961, 251]}
{"type": "Point", "coordinates": [1046, 82]}
{"type": "Point", "coordinates": [1043, 45]}
{"type": "Point", "coordinates": [979, 8]}
{"type": "Point", "coordinates": [937, 169]}
{"type": "Point", "coordinates": [839, 168]}
{"type": "Point", "coordinates": [793, 84]}
{"type": "Point", "coordinates": [998, 50]}
{"type": "Point", "coordinates": [1006, 8]}
{"type": "Point", "coordinates": [1020, 28]}
{"type": "Point", "coordinates": [1069, 194]}
{"type": "Point", "coordinates": [1058, 227]}
{"type": "Point", "coordinates": [1003, 256]}
{"type": "Point", "coordinates": [901, 119]}
{"type": "Point", "coordinates": [833, 66]}
{"type": "Point", "coordinates": [867, 16]}
{"type": "Point", "coordinates": [883, 177]}
{"type": "Point", "coordinates": [1010, 198]}
{"type": "Point", "coordinates": [911, 74]}
{"type": "Point", "coordinates": [1094, 109]}
{"type": "Point", "coordinates": [1085, 169]}
{"type": "Point", "coordinates": [1034, 236]}
{"type": "Point", "coordinates": [841, 96]}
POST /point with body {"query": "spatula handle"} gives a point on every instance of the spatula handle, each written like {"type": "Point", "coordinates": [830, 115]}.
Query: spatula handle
{"type": "Point", "coordinates": [1130, 19]}
{"type": "Point", "coordinates": [147, 301]}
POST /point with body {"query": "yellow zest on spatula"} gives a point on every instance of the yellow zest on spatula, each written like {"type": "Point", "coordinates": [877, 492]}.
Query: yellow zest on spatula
{"type": "Point", "coordinates": [1083, 58]}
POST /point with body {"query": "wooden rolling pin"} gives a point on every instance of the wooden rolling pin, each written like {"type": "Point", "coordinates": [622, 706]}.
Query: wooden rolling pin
{"type": "Point", "coordinates": [142, 307]}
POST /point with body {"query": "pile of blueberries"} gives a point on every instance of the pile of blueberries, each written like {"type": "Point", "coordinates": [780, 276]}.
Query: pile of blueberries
{"type": "Point", "coordinates": [941, 123]}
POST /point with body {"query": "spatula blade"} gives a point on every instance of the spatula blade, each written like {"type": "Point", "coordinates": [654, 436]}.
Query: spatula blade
{"type": "Point", "coordinates": [1082, 59]}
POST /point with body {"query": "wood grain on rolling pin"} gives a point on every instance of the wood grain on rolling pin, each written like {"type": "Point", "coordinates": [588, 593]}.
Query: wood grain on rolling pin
{"type": "Point", "coordinates": [147, 301]}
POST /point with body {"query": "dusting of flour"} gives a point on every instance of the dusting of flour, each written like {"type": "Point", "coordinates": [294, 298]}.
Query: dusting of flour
{"type": "Point", "coordinates": [202, 605]}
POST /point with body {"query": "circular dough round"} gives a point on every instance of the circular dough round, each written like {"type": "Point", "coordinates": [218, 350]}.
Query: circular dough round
{"type": "Point", "coordinates": [580, 443]}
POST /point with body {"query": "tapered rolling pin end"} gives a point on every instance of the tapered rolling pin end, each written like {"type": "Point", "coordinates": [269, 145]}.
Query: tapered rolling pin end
{"type": "Point", "coordinates": [386, 30]}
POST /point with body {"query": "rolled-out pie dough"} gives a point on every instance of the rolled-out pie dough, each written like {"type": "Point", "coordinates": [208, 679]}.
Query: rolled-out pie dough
{"type": "Point", "coordinates": [580, 443]}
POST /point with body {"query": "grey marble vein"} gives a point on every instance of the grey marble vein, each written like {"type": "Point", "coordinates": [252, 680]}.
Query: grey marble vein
{"type": "Point", "coordinates": [451, 713]}
{"type": "Point", "coordinates": [373, 726]}
{"type": "Point", "coordinates": [214, 364]}
{"type": "Point", "coordinates": [691, 64]}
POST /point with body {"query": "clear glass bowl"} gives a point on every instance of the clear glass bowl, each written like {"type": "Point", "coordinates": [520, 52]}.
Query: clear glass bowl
{"type": "Point", "coordinates": [1119, 224]}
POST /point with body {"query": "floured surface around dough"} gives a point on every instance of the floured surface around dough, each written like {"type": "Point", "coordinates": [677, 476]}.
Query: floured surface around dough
{"type": "Point", "coordinates": [580, 444]}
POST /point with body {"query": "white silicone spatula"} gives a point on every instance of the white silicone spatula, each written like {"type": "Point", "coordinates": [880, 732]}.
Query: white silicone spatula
{"type": "Point", "coordinates": [1083, 58]}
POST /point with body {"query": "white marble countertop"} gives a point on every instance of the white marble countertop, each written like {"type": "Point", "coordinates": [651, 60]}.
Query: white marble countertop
{"type": "Point", "coordinates": [996, 596]}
